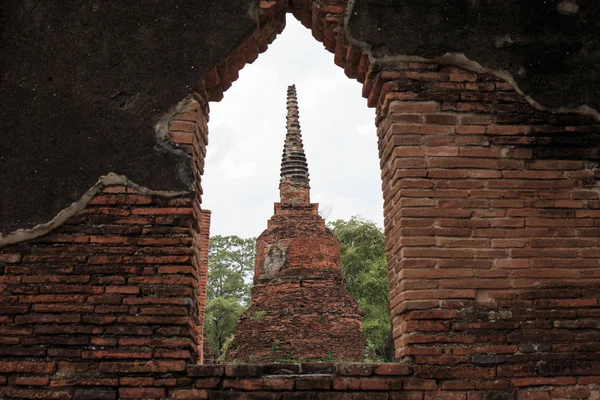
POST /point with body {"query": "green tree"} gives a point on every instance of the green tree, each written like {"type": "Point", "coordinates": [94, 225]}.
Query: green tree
{"type": "Point", "coordinates": [220, 319]}
{"type": "Point", "coordinates": [365, 271]}
{"type": "Point", "coordinates": [230, 267]}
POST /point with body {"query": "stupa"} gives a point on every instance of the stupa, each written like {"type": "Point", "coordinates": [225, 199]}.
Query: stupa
{"type": "Point", "coordinates": [300, 308]}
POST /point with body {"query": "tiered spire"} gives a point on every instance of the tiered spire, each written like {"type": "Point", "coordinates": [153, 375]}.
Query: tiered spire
{"type": "Point", "coordinates": [294, 167]}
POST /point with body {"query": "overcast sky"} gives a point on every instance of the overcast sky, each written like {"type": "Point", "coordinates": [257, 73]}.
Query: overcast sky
{"type": "Point", "coordinates": [247, 130]}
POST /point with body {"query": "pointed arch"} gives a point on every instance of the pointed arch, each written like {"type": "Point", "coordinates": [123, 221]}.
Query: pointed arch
{"type": "Point", "coordinates": [189, 129]}
{"type": "Point", "coordinates": [326, 24]}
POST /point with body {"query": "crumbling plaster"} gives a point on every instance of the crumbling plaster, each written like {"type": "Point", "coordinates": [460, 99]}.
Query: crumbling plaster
{"type": "Point", "coordinates": [111, 179]}
{"type": "Point", "coordinates": [549, 49]}
{"type": "Point", "coordinates": [83, 85]}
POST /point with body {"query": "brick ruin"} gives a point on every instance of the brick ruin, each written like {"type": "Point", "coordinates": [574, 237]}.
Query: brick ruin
{"type": "Point", "coordinates": [492, 223]}
{"type": "Point", "coordinates": [300, 310]}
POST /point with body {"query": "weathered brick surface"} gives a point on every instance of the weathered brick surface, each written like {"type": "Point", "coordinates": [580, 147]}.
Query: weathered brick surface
{"type": "Point", "coordinates": [364, 381]}
{"type": "Point", "coordinates": [492, 211]}
{"type": "Point", "coordinates": [492, 227]}
{"type": "Point", "coordinates": [322, 18]}
{"type": "Point", "coordinates": [117, 290]}
{"type": "Point", "coordinates": [220, 78]}
{"type": "Point", "coordinates": [114, 287]}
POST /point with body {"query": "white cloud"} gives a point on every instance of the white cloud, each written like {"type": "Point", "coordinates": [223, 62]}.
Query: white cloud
{"type": "Point", "coordinates": [247, 130]}
{"type": "Point", "coordinates": [234, 170]}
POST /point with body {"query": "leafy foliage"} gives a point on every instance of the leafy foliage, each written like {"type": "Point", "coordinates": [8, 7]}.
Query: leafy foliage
{"type": "Point", "coordinates": [230, 268]}
{"type": "Point", "coordinates": [365, 271]}
{"type": "Point", "coordinates": [221, 318]}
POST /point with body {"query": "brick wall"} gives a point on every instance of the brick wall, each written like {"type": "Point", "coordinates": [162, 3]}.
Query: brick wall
{"type": "Point", "coordinates": [310, 381]}
{"type": "Point", "coordinates": [188, 130]}
{"type": "Point", "coordinates": [492, 226]}
{"type": "Point", "coordinates": [492, 215]}
{"type": "Point", "coordinates": [112, 288]}
{"type": "Point", "coordinates": [114, 293]}
{"type": "Point", "coordinates": [373, 381]}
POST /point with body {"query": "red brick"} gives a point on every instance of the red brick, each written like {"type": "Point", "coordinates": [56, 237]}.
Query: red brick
{"type": "Point", "coordinates": [142, 320]}
{"type": "Point", "coordinates": [346, 384]}
{"type": "Point", "coordinates": [413, 107]}
{"type": "Point", "coordinates": [134, 367]}
{"type": "Point", "coordinates": [354, 369]}
{"type": "Point", "coordinates": [508, 129]}
{"type": "Point", "coordinates": [241, 370]}
{"type": "Point", "coordinates": [243, 384]}
{"type": "Point", "coordinates": [380, 383]}
{"type": "Point", "coordinates": [32, 381]}
{"type": "Point", "coordinates": [53, 298]}
{"type": "Point", "coordinates": [570, 393]}
{"type": "Point", "coordinates": [188, 394]}
{"type": "Point", "coordinates": [123, 289]}
{"type": "Point", "coordinates": [208, 383]}
{"type": "Point", "coordinates": [182, 126]}
{"type": "Point", "coordinates": [162, 211]}
{"type": "Point", "coordinates": [470, 129]}
{"type": "Point", "coordinates": [110, 354]}
{"type": "Point", "coordinates": [313, 382]}
{"type": "Point", "coordinates": [142, 381]}
{"type": "Point", "coordinates": [156, 342]}
{"type": "Point", "coordinates": [446, 395]}
{"type": "Point", "coordinates": [81, 381]}
{"type": "Point", "coordinates": [463, 77]}
{"type": "Point", "coordinates": [419, 384]}
{"type": "Point", "coordinates": [142, 393]}
{"type": "Point", "coordinates": [9, 258]}
{"type": "Point", "coordinates": [37, 393]}
{"type": "Point", "coordinates": [35, 367]}
{"type": "Point", "coordinates": [48, 319]}
{"type": "Point", "coordinates": [537, 381]}
{"type": "Point", "coordinates": [392, 369]}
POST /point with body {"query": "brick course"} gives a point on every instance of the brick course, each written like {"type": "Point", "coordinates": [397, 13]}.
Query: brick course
{"type": "Point", "coordinates": [116, 284]}
{"type": "Point", "coordinates": [317, 381]}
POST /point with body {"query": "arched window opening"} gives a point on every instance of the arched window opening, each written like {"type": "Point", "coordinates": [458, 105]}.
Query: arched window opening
{"type": "Point", "coordinates": [247, 129]}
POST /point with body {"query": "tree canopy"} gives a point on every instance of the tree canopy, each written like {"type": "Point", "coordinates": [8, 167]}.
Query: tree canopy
{"type": "Point", "coordinates": [364, 266]}
{"type": "Point", "coordinates": [230, 269]}
{"type": "Point", "coordinates": [221, 318]}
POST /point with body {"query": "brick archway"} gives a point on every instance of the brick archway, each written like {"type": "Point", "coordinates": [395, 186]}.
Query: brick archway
{"type": "Point", "coordinates": [189, 129]}
{"type": "Point", "coordinates": [453, 145]}
{"type": "Point", "coordinates": [324, 21]}
{"type": "Point", "coordinates": [492, 220]}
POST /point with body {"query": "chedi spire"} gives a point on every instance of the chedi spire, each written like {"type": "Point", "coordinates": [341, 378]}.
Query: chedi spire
{"type": "Point", "coordinates": [294, 183]}
{"type": "Point", "coordinates": [293, 163]}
